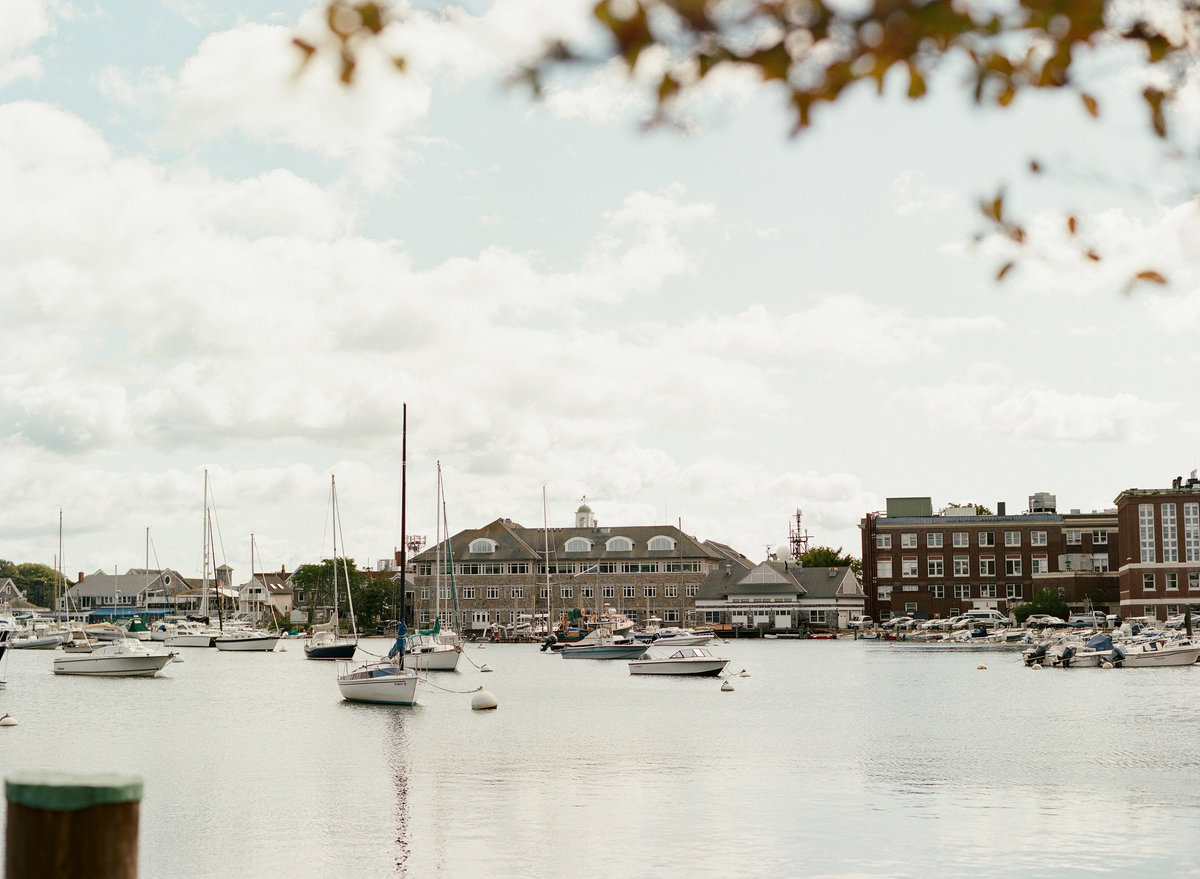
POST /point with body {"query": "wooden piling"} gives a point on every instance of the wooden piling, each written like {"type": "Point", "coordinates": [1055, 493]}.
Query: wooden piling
{"type": "Point", "coordinates": [62, 825]}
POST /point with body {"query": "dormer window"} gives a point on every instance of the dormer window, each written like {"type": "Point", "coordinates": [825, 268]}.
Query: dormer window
{"type": "Point", "coordinates": [577, 544]}
{"type": "Point", "coordinates": [619, 544]}
{"type": "Point", "coordinates": [482, 545]}
{"type": "Point", "coordinates": [660, 543]}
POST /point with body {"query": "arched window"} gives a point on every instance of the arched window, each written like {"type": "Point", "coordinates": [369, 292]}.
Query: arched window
{"type": "Point", "coordinates": [482, 544]}
{"type": "Point", "coordinates": [661, 542]}
{"type": "Point", "coordinates": [619, 544]}
{"type": "Point", "coordinates": [578, 544]}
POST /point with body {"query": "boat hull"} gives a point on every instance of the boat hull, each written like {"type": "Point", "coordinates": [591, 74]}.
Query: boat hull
{"type": "Point", "coordinates": [1161, 658]}
{"type": "Point", "coordinates": [602, 651]}
{"type": "Point", "coordinates": [189, 641]}
{"type": "Point", "coordinates": [379, 684]}
{"type": "Point", "coordinates": [342, 650]}
{"type": "Point", "coordinates": [130, 665]}
{"type": "Point", "coordinates": [433, 659]}
{"type": "Point", "coordinates": [251, 644]}
{"type": "Point", "coordinates": [676, 667]}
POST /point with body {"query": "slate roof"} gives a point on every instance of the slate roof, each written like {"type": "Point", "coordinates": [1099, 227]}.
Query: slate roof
{"type": "Point", "coordinates": [781, 579]}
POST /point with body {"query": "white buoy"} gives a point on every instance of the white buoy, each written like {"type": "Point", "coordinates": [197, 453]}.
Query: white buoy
{"type": "Point", "coordinates": [1106, 664]}
{"type": "Point", "coordinates": [483, 700]}
{"type": "Point", "coordinates": [727, 687]}
{"type": "Point", "coordinates": [743, 674]}
{"type": "Point", "coordinates": [981, 667]}
{"type": "Point", "coordinates": [484, 668]}
{"type": "Point", "coordinates": [1036, 665]}
{"type": "Point", "coordinates": [7, 720]}
{"type": "Point", "coordinates": [283, 648]}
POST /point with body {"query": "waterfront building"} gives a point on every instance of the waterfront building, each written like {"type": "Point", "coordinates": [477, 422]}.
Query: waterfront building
{"type": "Point", "coordinates": [779, 595]}
{"type": "Point", "coordinates": [1159, 563]}
{"type": "Point", "coordinates": [921, 564]}
{"type": "Point", "coordinates": [134, 593]}
{"type": "Point", "coordinates": [504, 573]}
{"type": "Point", "coordinates": [271, 590]}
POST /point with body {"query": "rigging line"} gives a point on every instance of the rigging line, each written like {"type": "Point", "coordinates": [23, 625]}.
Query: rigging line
{"type": "Point", "coordinates": [429, 683]}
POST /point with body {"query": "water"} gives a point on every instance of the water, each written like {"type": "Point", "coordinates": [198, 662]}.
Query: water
{"type": "Point", "coordinates": [848, 759]}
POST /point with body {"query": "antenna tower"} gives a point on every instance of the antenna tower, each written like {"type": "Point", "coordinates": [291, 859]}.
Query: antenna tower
{"type": "Point", "coordinates": [797, 536]}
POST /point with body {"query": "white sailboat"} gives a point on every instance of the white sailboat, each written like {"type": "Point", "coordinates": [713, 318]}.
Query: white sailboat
{"type": "Point", "coordinates": [436, 649]}
{"type": "Point", "coordinates": [387, 682]}
{"type": "Point", "coordinates": [247, 640]}
{"type": "Point", "coordinates": [191, 633]}
{"type": "Point", "coordinates": [326, 641]}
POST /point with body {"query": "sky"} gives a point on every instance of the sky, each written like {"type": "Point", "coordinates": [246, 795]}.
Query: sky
{"type": "Point", "coordinates": [214, 260]}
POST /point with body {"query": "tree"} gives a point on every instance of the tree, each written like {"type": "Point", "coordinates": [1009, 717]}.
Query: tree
{"type": "Point", "coordinates": [1047, 601]}
{"type": "Point", "coordinates": [316, 582]}
{"type": "Point", "coordinates": [815, 53]}
{"type": "Point", "coordinates": [827, 557]}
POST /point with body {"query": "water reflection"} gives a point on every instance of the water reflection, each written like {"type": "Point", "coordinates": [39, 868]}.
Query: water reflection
{"type": "Point", "coordinates": [400, 761]}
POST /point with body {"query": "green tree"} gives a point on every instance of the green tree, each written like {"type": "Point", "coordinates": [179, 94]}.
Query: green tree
{"type": "Point", "coordinates": [316, 581]}
{"type": "Point", "coordinates": [37, 582]}
{"type": "Point", "coordinates": [1047, 601]}
{"type": "Point", "coordinates": [827, 557]}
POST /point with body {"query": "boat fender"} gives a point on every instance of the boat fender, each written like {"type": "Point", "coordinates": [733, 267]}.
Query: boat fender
{"type": "Point", "coordinates": [727, 687]}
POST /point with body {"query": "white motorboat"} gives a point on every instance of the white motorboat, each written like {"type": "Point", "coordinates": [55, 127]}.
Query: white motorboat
{"type": "Point", "coordinates": [433, 657]}
{"type": "Point", "coordinates": [684, 661]}
{"type": "Point", "coordinates": [1156, 653]}
{"type": "Point", "coordinates": [191, 634]}
{"type": "Point", "coordinates": [605, 645]}
{"type": "Point", "coordinates": [246, 640]}
{"type": "Point", "coordinates": [124, 658]}
{"type": "Point", "coordinates": [676, 637]}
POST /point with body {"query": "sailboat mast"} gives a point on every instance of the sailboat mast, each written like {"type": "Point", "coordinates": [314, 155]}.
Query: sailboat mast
{"type": "Point", "coordinates": [437, 541]}
{"type": "Point", "coordinates": [334, 528]}
{"type": "Point", "coordinates": [58, 563]}
{"type": "Point", "coordinates": [546, 541]}
{"type": "Point", "coordinates": [403, 523]}
{"type": "Point", "coordinates": [204, 561]}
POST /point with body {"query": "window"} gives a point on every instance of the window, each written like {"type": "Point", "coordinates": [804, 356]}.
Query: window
{"type": "Point", "coordinates": [1012, 538]}
{"type": "Point", "coordinates": [1146, 532]}
{"type": "Point", "coordinates": [1012, 566]}
{"type": "Point", "coordinates": [639, 567]}
{"type": "Point", "coordinates": [883, 568]}
{"type": "Point", "coordinates": [962, 590]}
{"type": "Point", "coordinates": [493, 592]}
{"type": "Point", "coordinates": [935, 568]}
{"type": "Point", "coordinates": [691, 589]}
{"type": "Point", "coordinates": [934, 539]}
{"type": "Point", "coordinates": [1191, 532]}
{"type": "Point", "coordinates": [1148, 581]}
{"type": "Point", "coordinates": [937, 590]}
{"type": "Point", "coordinates": [671, 616]}
{"type": "Point", "coordinates": [518, 568]}
{"type": "Point", "coordinates": [987, 567]}
{"type": "Point", "coordinates": [424, 593]}
{"type": "Point", "coordinates": [671, 590]}
{"type": "Point", "coordinates": [648, 592]}
{"type": "Point", "coordinates": [1170, 534]}
{"type": "Point", "coordinates": [566, 591]}
{"type": "Point", "coordinates": [1100, 561]}
{"type": "Point", "coordinates": [444, 593]}
{"type": "Point", "coordinates": [468, 592]}
{"type": "Point", "coordinates": [587, 592]}
{"type": "Point", "coordinates": [1073, 537]}
{"type": "Point", "coordinates": [1194, 580]}
{"type": "Point", "coordinates": [1037, 538]}
{"type": "Point", "coordinates": [1012, 590]}
{"type": "Point", "coordinates": [660, 543]}
{"type": "Point", "coordinates": [910, 607]}
{"type": "Point", "coordinates": [577, 544]}
{"type": "Point", "coordinates": [987, 538]}
{"type": "Point", "coordinates": [908, 541]}
{"type": "Point", "coordinates": [482, 544]}
{"type": "Point", "coordinates": [1099, 536]}
{"type": "Point", "coordinates": [961, 538]}
{"type": "Point", "coordinates": [987, 590]}
{"type": "Point", "coordinates": [619, 544]}
{"type": "Point", "coordinates": [518, 592]}
{"type": "Point", "coordinates": [1172, 581]}
{"type": "Point", "coordinates": [544, 592]}
{"type": "Point", "coordinates": [628, 591]}
{"type": "Point", "coordinates": [681, 567]}
{"type": "Point", "coordinates": [908, 566]}
{"type": "Point", "coordinates": [608, 591]}
{"type": "Point", "coordinates": [883, 541]}
{"type": "Point", "coordinates": [962, 566]}
{"type": "Point", "coordinates": [1040, 564]}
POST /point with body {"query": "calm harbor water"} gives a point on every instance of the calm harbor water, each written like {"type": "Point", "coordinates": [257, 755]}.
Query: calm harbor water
{"type": "Point", "coordinates": [830, 759]}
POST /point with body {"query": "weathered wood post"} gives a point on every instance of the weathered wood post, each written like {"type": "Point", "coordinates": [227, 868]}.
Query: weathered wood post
{"type": "Point", "coordinates": [62, 825]}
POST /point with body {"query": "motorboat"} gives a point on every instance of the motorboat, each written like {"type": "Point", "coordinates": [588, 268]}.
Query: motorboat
{"type": "Point", "coordinates": [602, 644]}
{"type": "Point", "coordinates": [123, 658]}
{"type": "Point", "coordinates": [684, 661]}
{"type": "Point", "coordinates": [433, 657]}
{"type": "Point", "coordinates": [1156, 653]}
{"type": "Point", "coordinates": [189, 633]}
{"type": "Point", "coordinates": [675, 636]}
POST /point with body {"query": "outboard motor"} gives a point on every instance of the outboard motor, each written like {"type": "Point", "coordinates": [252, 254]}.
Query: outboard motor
{"type": "Point", "coordinates": [549, 642]}
{"type": "Point", "coordinates": [1037, 654]}
{"type": "Point", "coordinates": [1118, 655]}
{"type": "Point", "coordinates": [1064, 658]}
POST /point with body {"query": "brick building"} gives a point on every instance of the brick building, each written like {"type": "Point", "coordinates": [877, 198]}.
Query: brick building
{"type": "Point", "coordinates": [1159, 563]}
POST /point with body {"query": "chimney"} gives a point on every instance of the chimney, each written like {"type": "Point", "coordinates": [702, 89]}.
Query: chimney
{"type": "Point", "coordinates": [80, 580]}
{"type": "Point", "coordinates": [1000, 508]}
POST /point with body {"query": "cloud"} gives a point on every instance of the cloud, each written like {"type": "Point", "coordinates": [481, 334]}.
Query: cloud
{"type": "Point", "coordinates": [23, 23]}
{"type": "Point", "coordinates": [912, 194]}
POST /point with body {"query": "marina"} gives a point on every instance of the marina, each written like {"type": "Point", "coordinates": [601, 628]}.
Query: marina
{"type": "Point", "coordinates": [828, 758]}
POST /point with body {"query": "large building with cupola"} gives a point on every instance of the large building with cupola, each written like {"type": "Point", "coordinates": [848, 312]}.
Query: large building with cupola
{"type": "Point", "coordinates": [504, 573]}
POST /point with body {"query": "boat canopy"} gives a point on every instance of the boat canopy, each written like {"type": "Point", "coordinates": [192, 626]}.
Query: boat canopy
{"type": "Point", "coordinates": [1099, 642]}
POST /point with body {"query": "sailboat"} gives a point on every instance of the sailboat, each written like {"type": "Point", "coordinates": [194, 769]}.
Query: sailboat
{"type": "Point", "coordinates": [434, 649]}
{"type": "Point", "coordinates": [193, 633]}
{"type": "Point", "coordinates": [387, 681]}
{"type": "Point", "coordinates": [326, 641]}
{"type": "Point", "coordinates": [247, 640]}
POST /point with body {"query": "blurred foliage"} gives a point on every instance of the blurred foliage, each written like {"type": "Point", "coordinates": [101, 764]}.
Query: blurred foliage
{"type": "Point", "coordinates": [1047, 601]}
{"type": "Point", "coordinates": [814, 53]}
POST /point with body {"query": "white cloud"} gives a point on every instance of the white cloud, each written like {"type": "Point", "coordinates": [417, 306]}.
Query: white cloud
{"type": "Point", "coordinates": [913, 194]}
{"type": "Point", "coordinates": [23, 23]}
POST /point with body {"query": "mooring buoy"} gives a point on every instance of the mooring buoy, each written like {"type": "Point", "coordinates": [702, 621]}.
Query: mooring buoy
{"type": "Point", "coordinates": [483, 701]}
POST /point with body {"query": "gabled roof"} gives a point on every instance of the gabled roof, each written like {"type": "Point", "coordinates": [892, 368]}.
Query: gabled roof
{"type": "Point", "coordinates": [779, 579]}
{"type": "Point", "coordinates": [831, 582]}
{"type": "Point", "coordinates": [133, 582]}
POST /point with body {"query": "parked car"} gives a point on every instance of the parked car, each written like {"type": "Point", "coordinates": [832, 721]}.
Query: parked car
{"type": "Point", "coordinates": [897, 623]}
{"type": "Point", "coordinates": [1092, 619]}
{"type": "Point", "coordinates": [1044, 620]}
{"type": "Point", "coordinates": [860, 622]}
{"type": "Point", "coordinates": [940, 625]}
{"type": "Point", "coordinates": [991, 618]}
